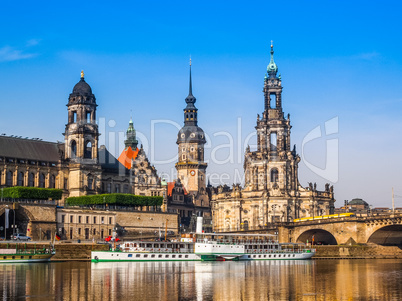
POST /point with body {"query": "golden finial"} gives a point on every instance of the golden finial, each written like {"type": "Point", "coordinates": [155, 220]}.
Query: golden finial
{"type": "Point", "coordinates": [272, 44]}
{"type": "Point", "coordinates": [82, 73]}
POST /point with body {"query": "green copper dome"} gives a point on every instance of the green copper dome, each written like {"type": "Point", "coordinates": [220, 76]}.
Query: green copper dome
{"type": "Point", "coordinates": [272, 68]}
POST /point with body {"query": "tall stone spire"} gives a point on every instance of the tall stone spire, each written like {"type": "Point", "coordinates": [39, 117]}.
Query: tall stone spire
{"type": "Point", "coordinates": [190, 112]}
{"type": "Point", "coordinates": [131, 140]}
{"type": "Point", "coordinates": [190, 99]}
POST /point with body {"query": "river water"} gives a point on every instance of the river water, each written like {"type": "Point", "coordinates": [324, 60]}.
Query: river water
{"type": "Point", "coordinates": [256, 280]}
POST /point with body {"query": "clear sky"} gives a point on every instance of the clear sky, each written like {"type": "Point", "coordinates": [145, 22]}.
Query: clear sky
{"type": "Point", "coordinates": [337, 59]}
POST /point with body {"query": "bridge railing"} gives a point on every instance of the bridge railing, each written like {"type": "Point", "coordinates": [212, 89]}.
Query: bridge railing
{"type": "Point", "coordinates": [29, 201]}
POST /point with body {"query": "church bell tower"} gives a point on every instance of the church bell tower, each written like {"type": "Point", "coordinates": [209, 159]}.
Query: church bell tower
{"type": "Point", "coordinates": [81, 134]}
{"type": "Point", "coordinates": [81, 141]}
{"type": "Point", "coordinates": [191, 139]}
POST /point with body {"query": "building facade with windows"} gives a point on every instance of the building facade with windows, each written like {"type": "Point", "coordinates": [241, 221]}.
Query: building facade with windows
{"type": "Point", "coordinates": [74, 224]}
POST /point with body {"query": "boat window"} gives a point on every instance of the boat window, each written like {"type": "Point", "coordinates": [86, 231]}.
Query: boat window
{"type": "Point", "coordinates": [249, 256]}
{"type": "Point", "coordinates": [173, 256]}
{"type": "Point", "coordinates": [180, 256]}
{"type": "Point", "coordinates": [130, 255]}
{"type": "Point", "coordinates": [22, 257]}
{"type": "Point", "coordinates": [185, 256]}
{"type": "Point", "coordinates": [153, 255]}
{"type": "Point", "coordinates": [30, 257]}
{"type": "Point", "coordinates": [13, 257]}
{"type": "Point", "coordinates": [138, 255]}
{"type": "Point", "coordinates": [166, 256]}
{"type": "Point", "coordinates": [160, 256]}
{"type": "Point", "coordinates": [4, 257]}
{"type": "Point", "coordinates": [269, 256]}
{"type": "Point", "coordinates": [145, 255]}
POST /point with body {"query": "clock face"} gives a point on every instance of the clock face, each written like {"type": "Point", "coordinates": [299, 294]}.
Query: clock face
{"type": "Point", "coordinates": [192, 135]}
{"type": "Point", "coordinates": [192, 173]}
{"type": "Point", "coordinates": [183, 135]}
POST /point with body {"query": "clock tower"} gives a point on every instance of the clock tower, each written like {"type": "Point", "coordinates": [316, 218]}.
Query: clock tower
{"type": "Point", "coordinates": [191, 139]}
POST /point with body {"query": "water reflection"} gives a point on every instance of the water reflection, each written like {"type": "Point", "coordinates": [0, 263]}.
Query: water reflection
{"type": "Point", "coordinates": [258, 280]}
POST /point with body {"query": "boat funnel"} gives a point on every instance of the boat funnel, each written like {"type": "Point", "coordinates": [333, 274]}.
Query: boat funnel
{"type": "Point", "coordinates": [199, 225]}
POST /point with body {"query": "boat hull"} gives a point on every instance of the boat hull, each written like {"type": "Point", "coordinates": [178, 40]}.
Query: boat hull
{"type": "Point", "coordinates": [102, 256]}
{"type": "Point", "coordinates": [22, 258]}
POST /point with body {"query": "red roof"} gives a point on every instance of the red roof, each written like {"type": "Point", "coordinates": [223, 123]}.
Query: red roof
{"type": "Point", "coordinates": [127, 155]}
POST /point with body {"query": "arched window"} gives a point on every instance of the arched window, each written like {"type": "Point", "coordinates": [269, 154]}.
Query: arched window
{"type": "Point", "coordinates": [90, 183]}
{"type": "Point", "coordinates": [88, 150]}
{"type": "Point", "coordinates": [125, 188]}
{"type": "Point", "coordinates": [9, 178]}
{"type": "Point", "coordinates": [41, 180]}
{"type": "Point", "coordinates": [272, 100]}
{"type": "Point", "coordinates": [52, 181]}
{"type": "Point", "coordinates": [274, 175]}
{"type": "Point", "coordinates": [117, 188]}
{"type": "Point", "coordinates": [73, 149]}
{"type": "Point", "coordinates": [273, 140]}
{"type": "Point", "coordinates": [191, 116]}
{"type": "Point", "coordinates": [245, 225]}
{"type": "Point", "coordinates": [20, 179]}
{"type": "Point", "coordinates": [31, 180]}
{"type": "Point", "coordinates": [109, 187]}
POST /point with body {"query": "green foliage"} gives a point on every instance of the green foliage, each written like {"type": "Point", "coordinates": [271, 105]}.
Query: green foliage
{"type": "Point", "coordinates": [34, 193]}
{"type": "Point", "coordinates": [119, 199]}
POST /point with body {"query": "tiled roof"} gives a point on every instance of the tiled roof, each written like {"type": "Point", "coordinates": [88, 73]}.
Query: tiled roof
{"type": "Point", "coordinates": [30, 149]}
{"type": "Point", "coordinates": [127, 155]}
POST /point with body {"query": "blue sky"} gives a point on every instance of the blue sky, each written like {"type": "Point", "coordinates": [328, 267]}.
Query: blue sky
{"type": "Point", "coordinates": [337, 59]}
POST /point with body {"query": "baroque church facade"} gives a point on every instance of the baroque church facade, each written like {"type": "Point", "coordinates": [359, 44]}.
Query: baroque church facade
{"type": "Point", "coordinates": [272, 192]}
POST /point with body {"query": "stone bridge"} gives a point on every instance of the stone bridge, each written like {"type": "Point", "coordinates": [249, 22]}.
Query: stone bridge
{"type": "Point", "coordinates": [383, 230]}
{"type": "Point", "coordinates": [36, 219]}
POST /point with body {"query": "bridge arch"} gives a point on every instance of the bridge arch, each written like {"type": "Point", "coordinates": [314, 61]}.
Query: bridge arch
{"type": "Point", "coordinates": [389, 235]}
{"type": "Point", "coordinates": [321, 236]}
{"type": "Point", "coordinates": [19, 218]}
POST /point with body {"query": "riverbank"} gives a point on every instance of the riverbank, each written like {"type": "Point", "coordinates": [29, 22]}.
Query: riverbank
{"type": "Point", "coordinates": [370, 251]}
{"type": "Point", "coordinates": [82, 251]}
{"type": "Point", "coordinates": [64, 251]}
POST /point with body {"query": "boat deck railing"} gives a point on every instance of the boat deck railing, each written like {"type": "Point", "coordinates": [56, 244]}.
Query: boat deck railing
{"type": "Point", "coordinates": [238, 241]}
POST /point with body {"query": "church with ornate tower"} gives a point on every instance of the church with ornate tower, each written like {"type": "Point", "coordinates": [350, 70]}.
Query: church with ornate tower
{"type": "Point", "coordinates": [272, 192]}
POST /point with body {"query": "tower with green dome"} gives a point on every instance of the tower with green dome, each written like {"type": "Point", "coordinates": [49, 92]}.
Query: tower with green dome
{"type": "Point", "coordinates": [131, 140]}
